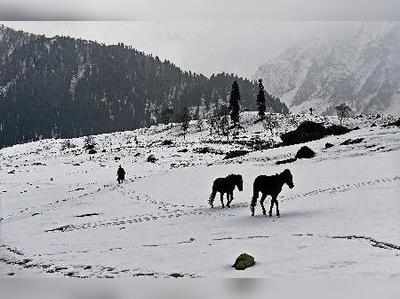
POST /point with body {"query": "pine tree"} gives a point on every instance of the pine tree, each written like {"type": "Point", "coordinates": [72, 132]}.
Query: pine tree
{"type": "Point", "coordinates": [234, 103]}
{"type": "Point", "coordinates": [197, 112]}
{"type": "Point", "coordinates": [185, 118]}
{"type": "Point", "coordinates": [261, 100]}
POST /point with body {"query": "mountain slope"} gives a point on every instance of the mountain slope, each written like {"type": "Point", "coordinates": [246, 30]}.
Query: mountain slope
{"type": "Point", "coordinates": [64, 214]}
{"type": "Point", "coordinates": [361, 68]}
{"type": "Point", "coordinates": [68, 87]}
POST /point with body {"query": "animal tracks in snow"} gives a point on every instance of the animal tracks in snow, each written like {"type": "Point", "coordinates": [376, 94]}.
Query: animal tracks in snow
{"type": "Point", "coordinates": [186, 210]}
{"type": "Point", "coordinates": [372, 241]}
{"type": "Point", "coordinates": [14, 257]}
{"type": "Point", "coordinates": [343, 188]}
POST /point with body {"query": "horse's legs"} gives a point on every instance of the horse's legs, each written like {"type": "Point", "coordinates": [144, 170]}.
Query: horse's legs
{"type": "Point", "coordinates": [277, 207]}
{"type": "Point", "coordinates": [263, 197]}
{"type": "Point", "coordinates": [222, 200]}
{"type": "Point", "coordinates": [272, 205]}
{"type": "Point", "coordinates": [253, 203]}
{"type": "Point", "coordinates": [230, 198]}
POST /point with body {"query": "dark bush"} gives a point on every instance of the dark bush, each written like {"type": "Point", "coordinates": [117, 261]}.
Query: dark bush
{"type": "Point", "coordinates": [92, 152]}
{"type": "Point", "coordinates": [396, 123]}
{"type": "Point", "coordinates": [202, 150]}
{"type": "Point", "coordinates": [309, 131]}
{"type": "Point", "coordinates": [287, 161]}
{"type": "Point", "coordinates": [235, 154]}
{"type": "Point", "coordinates": [207, 150]}
{"type": "Point", "coordinates": [167, 142]}
{"type": "Point", "coordinates": [328, 145]}
{"type": "Point", "coordinates": [337, 130]}
{"type": "Point", "coordinates": [352, 141]}
{"type": "Point", "coordinates": [305, 153]}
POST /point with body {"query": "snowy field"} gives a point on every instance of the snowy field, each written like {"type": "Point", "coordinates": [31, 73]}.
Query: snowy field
{"type": "Point", "coordinates": [64, 215]}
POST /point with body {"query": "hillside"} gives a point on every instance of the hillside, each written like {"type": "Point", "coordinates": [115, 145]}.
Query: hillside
{"type": "Point", "coordinates": [65, 87]}
{"type": "Point", "coordinates": [359, 66]}
{"type": "Point", "coordinates": [64, 215]}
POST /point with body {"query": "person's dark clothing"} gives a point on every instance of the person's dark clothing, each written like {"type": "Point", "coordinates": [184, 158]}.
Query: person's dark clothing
{"type": "Point", "coordinates": [120, 175]}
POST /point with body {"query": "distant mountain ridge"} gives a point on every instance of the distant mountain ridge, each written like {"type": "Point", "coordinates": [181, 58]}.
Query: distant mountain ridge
{"type": "Point", "coordinates": [361, 68]}
{"type": "Point", "coordinates": [65, 87]}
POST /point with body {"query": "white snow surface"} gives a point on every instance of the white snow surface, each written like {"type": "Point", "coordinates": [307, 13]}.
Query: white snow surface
{"type": "Point", "coordinates": [340, 220]}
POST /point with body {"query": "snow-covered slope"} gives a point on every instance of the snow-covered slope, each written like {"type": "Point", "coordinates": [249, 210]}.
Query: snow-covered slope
{"type": "Point", "coordinates": [359, 65]}
{"type": "Point", "coordinates": [63, 214]}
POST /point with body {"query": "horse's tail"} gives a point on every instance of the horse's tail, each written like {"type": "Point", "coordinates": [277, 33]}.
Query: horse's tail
{"type": "Point", "coordinates": [212, 196]}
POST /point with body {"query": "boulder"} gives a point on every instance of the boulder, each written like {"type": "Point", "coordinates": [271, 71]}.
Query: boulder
{"type": "Point", "coordinates": [305, 153]}
{"type": "Point", "coordinates": [151, 159]}
{"type": "Point", "coordinates": [244, 261]}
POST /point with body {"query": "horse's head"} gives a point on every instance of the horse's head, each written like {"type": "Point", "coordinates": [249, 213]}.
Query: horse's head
{"type": "Point", "coordinates": [239, 182]}
{"type": "Point", "coordinates": [288, 178]}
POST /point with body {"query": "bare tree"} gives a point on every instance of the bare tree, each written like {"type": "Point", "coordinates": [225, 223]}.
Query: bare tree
{"type": "Point", "coordinates": [270, 123]}
{"type": "Point", "coordinates": [89, 143]}
{"type": "Point", "coordinates": [343, 111]}
{"type": "Point", "coordinates": [67, 144]}
{"type": "Point", "coordinates": [200, 124]}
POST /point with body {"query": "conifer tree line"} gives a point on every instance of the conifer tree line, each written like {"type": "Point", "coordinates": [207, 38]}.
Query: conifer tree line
{"type": "Point", "coordinates": [234, 103]}
{"type": "Point", "coordinates": [65, 87]}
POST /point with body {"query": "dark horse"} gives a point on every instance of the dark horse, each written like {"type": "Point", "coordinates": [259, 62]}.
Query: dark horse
{"type": "Point", "coordinates": [226, 185]}
{"type": "Point", "coordinates": [270, 185]}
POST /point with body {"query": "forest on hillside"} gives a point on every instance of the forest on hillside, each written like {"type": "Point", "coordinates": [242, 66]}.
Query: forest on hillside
{"type": "Point", "coordinates": [65, 87]}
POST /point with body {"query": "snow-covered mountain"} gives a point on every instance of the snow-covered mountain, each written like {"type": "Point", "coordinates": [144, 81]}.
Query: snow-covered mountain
{"type": "Point", "coordinates": [358, 64]}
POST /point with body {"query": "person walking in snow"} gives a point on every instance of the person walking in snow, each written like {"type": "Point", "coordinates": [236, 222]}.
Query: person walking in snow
{"type": "Point", "coordinates": [120, 175]}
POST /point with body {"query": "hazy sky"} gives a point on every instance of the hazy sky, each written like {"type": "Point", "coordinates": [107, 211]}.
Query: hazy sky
{"type": "Point", "coordinates": [203, 47]}
{"type": "Point", "coordinates": [200, 35]}
{"type": "Point", "coordinates": [203, 9]}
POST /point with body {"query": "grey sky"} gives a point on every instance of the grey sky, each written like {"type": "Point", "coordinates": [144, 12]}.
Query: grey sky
{"type": "Point", "coordinates": [200, 35]}
{"type": "Point", "coordinates": [200, 9]}
{"type": "Point", "coordinates": [201, 46]}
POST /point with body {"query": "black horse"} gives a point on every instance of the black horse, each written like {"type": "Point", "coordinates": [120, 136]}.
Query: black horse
{"type": "Point", "coordinates": [226, 185]}
{"type": "Point", "coordinates": [270, 185]}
